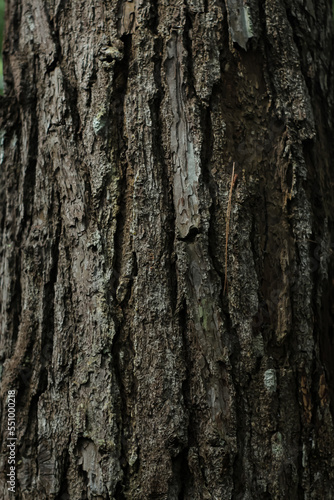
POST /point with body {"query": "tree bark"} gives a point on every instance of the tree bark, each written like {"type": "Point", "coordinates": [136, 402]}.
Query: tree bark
{"type": "Point", "coordinates": [137, 376]}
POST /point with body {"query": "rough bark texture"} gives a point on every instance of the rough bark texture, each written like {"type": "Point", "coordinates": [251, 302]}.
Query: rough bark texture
{"type": "Point", "coordinates": [137, 377]}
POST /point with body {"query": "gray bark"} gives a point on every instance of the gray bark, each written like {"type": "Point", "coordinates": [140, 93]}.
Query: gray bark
{"type": "Point", "coordinates": [136, 375]}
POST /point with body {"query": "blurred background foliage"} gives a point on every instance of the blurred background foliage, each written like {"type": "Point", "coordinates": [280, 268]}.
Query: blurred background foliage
{"type": "Point", "coordinates": [2, 20]}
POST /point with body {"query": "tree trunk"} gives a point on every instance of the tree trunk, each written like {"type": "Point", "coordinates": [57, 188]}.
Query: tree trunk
{"type": "Point", "coordinates": [167, 326]}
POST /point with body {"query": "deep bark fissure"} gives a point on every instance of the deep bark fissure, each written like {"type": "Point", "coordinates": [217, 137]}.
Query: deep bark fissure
{"type": "Point", "coordinates": [166, 177]}
{"type": "Point", "coordinates": [71, 94]}
{"type": "Point", "coordinates": [265, 48]}
{"type": "Point", "coordinates": [17, 299]}
{"type": "Point", "coordinates": [326, 332]}
{"type": "Point", "coordinates": [63, 493]}
{"type": "Point", "coordinates": [181, 474]}
{"type": "Point", "coordinates": [298, 38]}
{"type": "Point", "coordinates": [239, 480]}
{"type": "Point", "coordinates": [206, 156]}
{"type": "Point", "coordinates": [29, 180]}
{"type": "Point", "coordinates": [186, 389]}
{"type": "Point", "coordinates": [122, 341]}
{"type": "Point", "coordinates": [154, 16]}
{"type": "Point", "coordinates": [121, 73]}
{"type": "Point", "coordinates": [49, 292]}
{"type": "Point", "coordinates": [187, 43]}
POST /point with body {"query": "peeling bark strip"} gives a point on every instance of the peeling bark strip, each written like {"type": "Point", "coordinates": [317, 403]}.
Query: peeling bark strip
{"type": "Point", "coordinates": [136, 376]}
{"type": "Point", "coordinates": [239, 22]}
{"type": "Point", "coordinates": [186, 164]}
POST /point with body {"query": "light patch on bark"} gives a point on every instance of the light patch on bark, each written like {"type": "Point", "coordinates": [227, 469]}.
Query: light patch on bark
{"type": "Point", "coordinates": [186, 164]}
{"type": "Point", "coordinates": [270, 380]}
{"type": "Point", "coordinates": [240, 22]}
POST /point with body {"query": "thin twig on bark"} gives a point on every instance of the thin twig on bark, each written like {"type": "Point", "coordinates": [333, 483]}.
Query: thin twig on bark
{"type": "Point", "coordinates": [228, 216]}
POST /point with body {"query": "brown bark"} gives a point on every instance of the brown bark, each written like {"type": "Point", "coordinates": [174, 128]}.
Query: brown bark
{"type": "Point", "coordinates": [136, 376]}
